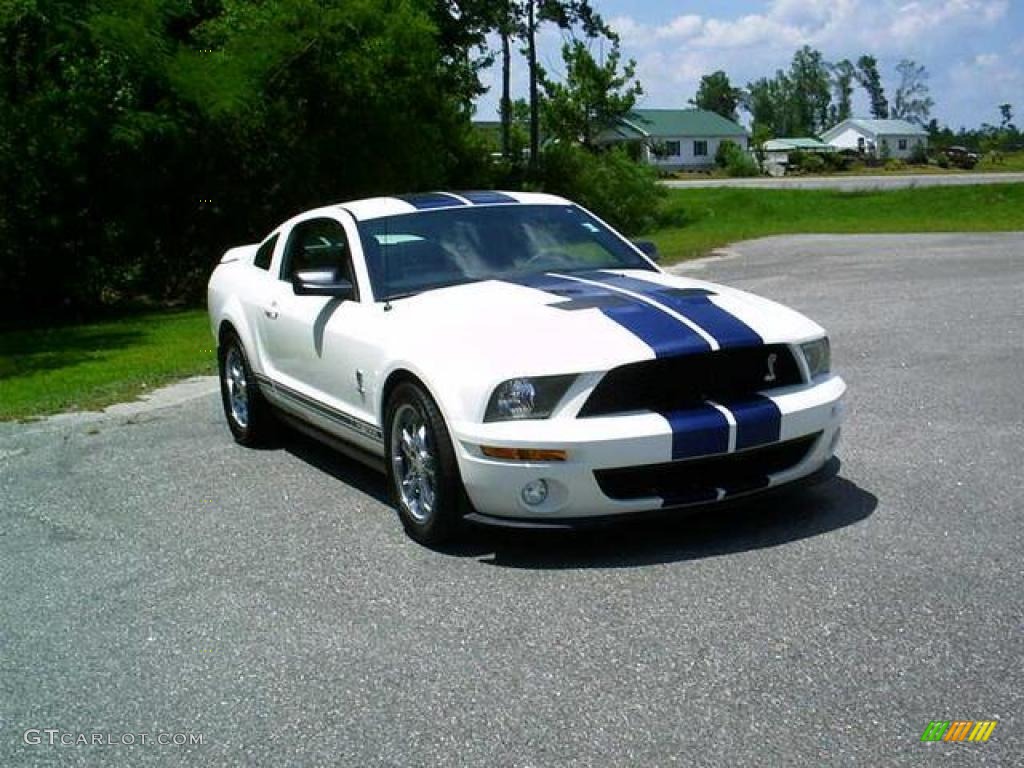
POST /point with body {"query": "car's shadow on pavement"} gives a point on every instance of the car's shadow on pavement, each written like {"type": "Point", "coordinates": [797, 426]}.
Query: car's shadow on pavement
{"type": "Point", "coordinates": [675, 536]}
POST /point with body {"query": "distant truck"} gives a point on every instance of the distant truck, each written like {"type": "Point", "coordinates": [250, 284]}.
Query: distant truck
{"type": "Point", "coordinates": [961, 157]}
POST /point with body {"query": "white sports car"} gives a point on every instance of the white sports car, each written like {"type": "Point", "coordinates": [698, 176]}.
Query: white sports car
{"type": "Point", "coordinates": [510, 358]}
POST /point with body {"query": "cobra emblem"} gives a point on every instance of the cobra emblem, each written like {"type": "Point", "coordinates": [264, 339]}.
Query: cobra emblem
{"type": "Point", "coordinates": [770, 376]}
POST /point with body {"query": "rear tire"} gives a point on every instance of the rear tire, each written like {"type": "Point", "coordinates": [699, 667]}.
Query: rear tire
{"type": "Point", "coordinates": [247, 412]}
{"type": "Point", "coordinates": [422, 472]}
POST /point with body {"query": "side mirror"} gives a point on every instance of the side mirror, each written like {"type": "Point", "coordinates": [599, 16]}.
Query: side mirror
{"type": "Point", "coordinates": [648, 249]}
{"type": "Point", "coordinates": [322, 282]}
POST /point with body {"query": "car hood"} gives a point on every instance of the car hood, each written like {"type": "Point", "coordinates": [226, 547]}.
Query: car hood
{"type": "Point", "coordinates": [580, 322]}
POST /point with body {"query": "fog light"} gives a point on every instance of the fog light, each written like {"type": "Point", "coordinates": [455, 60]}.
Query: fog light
{"type": "Point", "coordinates": [535, 492]}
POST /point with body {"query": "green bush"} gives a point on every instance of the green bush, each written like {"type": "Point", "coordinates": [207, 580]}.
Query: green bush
{"type": "Point", "coordinates": [624, 193]}
{"type": "Point", "coordinates": [919, 156]}
{"type": "Point", "coordinates": [813, 163]}
{"type": "Point", "coordinates": [736, 161]}
{"type": "Point", "coordinates": [726, 149]}
{"type": "Point", "coordinates": [895, 164]}
{"type": "Point", "coordinates": [836, 161]}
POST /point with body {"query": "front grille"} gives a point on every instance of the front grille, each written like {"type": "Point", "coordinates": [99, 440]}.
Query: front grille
{"type": "Point", "coordinates": [677, 383]}
{"type": "Point", "coordinates": [696, 480]}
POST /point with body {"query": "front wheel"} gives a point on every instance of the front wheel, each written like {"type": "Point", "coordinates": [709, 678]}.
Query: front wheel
{"type": "Point", "coordinates": [423, 475]}
{"type": "Point", "coordinates": [247, 413]}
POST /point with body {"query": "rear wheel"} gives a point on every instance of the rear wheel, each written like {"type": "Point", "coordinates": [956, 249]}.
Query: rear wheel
{"type": "Point", "coordinates": [423, 475]}
{"type": "Point", "coordinates": [247, 413]}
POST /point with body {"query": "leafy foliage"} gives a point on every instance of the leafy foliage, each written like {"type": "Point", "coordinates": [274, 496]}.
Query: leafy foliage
{"type": "Point", "coordinates": [911, 100]}
{"type": "Point", "coordinates": [795, 102]}
{"type": "Point", "coordinates": [624, 193]}
{"type": "Point", "coordinates": [871, 81]}
{"type": "Point", "coordinates": [717, 94]}
{"type": "Point", "coordinates": [594, 95]}
{"type": "Point", "coordinates": [140, 138]}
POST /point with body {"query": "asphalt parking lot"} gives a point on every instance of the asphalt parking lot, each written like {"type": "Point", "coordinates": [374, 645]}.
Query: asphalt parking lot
{"type": "Point", "coordinates": [157, 578]}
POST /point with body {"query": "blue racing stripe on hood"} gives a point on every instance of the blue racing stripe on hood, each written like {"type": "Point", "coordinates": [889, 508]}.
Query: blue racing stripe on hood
{"type": "Point", "coordinates": [665, 335]}
{"type": "Point", "coordinates": [694, 304]}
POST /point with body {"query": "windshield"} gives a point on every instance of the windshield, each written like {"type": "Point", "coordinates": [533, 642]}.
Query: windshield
{"type": "Point", "coordinates": [410, 253]}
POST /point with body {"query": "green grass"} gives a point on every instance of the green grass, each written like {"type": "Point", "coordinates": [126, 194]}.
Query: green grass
{"type": "Point", "coordinates": [91, 366]}
{"type": "Point", "coordinates": [1007, 161]}
{"type": "Point", "coordinates": [712, 218]}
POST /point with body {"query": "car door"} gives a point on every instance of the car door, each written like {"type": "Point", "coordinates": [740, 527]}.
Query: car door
{"type": "Point", "coordinates": [312, 340]}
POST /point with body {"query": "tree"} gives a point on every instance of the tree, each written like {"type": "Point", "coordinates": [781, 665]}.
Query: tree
{"type": "Point", "coordinates": [767, 102]}
{"type": "Point", "coordinates": [871, 82]}
{"type": "Point", "coordinates": [1006, 113]}
{"type": "Point", "coordinates": [716, 94]}
{"type": "Point", "coordinates": [221, 116]}
{"type": "Point", "coordinates": [565, 14]}
{"type": "Point", "coordinates": [911, 101]}
{"type": "Point", "coordinates": [793, 103]}
{"type": "Point", "coordinates": [592, 98]}
{"type": "Point", "coordinates": [843, 75]}
{"type": "Point", "coordinates": [810, 93]}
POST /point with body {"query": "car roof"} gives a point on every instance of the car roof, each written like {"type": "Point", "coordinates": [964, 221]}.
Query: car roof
{"type": "Point", "coordinates": [377, 207]}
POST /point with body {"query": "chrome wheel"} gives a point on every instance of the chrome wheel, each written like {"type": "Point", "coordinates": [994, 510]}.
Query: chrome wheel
{"type": "Point", "coordinates": [413, 462]}
{"type": "Point", "coordinates": [237, 386]}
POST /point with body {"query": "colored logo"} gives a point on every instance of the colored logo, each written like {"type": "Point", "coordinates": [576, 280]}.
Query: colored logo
{"type": "Point", "coordinates": [959, 730]}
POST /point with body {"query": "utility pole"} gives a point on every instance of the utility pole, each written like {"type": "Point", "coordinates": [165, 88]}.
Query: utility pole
{"type": "Point", "coordinates": [532, 59]}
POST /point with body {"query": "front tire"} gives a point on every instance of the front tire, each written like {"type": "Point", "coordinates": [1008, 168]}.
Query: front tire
{"type": "Point", "coordinates": [247, 413]}
{"type": "Point", "coordinates": [422, 472]}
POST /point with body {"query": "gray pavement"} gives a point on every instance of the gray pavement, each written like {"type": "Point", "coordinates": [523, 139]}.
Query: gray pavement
{"type": "Point", "coordinates": [159, 579]}
{"type": "Point", "coordinates": [852, 183]}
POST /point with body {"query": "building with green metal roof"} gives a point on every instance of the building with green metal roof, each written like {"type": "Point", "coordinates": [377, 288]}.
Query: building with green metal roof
{"type": "Point", "coordinates": [674, 139]}
{"type": "Point", "coordinates": [882, 138]}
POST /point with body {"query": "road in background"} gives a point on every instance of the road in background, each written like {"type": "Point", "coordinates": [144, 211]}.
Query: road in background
{"type": "Point", "coordinates": [852, 183]}
{"type": "Point", "coordinates": [159, 578]}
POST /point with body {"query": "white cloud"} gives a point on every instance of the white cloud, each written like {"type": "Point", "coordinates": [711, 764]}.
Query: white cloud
{"type": "Point", "coordinates": [680, 27]}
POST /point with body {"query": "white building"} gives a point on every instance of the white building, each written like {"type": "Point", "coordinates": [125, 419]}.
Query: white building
{"type": "Point", "coordinates": [880, 138]}
{"type": "Point", "coordinates": [674, 139]}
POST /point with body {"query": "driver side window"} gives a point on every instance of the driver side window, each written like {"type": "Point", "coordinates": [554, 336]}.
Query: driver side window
{"type": "Point", "coordinates": [317, 244]}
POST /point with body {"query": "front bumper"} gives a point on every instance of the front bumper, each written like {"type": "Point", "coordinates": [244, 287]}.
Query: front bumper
{"type": "Point", "coordinates": [495, 486]}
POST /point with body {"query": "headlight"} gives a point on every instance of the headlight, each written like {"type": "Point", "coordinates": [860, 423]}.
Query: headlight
{"type": "Point", "coordinates": [818, 355]}
{"type": "Point", "coordinates": [533, 398]}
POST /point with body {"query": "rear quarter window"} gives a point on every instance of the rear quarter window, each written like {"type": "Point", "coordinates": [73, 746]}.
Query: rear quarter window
{"type": "Point", "coordinates": [265, 253]}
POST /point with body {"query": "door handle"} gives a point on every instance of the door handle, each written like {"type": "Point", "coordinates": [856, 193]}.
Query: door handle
{"type": "Point", "coordinates": [271, 311]}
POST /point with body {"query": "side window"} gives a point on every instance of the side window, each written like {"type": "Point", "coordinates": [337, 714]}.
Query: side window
{"type": "Point", "coordinates": [317, 244]}
{"type": "Point", "coordinates": [265, 253]}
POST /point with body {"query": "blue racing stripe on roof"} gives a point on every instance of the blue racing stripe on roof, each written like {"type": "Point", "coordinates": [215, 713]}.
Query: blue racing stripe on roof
{"type": "Point", "coordinates": [485, 196]}
{"type": "Point", "coordinates": [758, 422]}
{"type": "Point", "coordinates": [694, 304]}
{"type": "Point", "coordinates": [666, 336]}
{"type": "Point", "coordinates": [425, 201]}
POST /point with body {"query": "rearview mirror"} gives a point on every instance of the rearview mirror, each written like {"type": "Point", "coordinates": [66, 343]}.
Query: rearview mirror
{"type": "Point", "coordinates": [648, 249]}
{"type": "Point", "coordinates": [322, 282]}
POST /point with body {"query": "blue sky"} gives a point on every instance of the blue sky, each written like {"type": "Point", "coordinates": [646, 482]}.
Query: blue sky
{"type": "Point", "coordinates": [973, 49]}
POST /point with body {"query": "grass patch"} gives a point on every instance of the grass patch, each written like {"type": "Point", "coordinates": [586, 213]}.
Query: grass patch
{"type": "Point", "coordinates": [1002, 161]}
{"type": "Point", "coordinates": [712, 218]}
{"type": "Point", "coordinates": [91, 366]}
